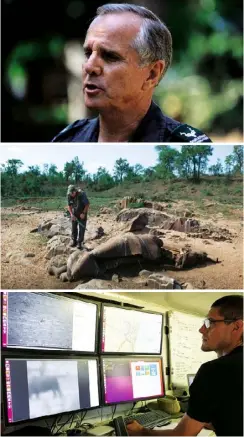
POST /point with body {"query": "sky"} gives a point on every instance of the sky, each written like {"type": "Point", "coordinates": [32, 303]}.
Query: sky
{"type": "Point", "coordinates": [93, 155]}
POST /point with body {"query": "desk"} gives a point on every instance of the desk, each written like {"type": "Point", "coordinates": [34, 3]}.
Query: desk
{"type": "Point", "coordinates": [172, 425]}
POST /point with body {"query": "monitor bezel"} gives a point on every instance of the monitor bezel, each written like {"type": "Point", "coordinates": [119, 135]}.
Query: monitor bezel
{"type": "Point", "coordinates": [103, 305]}
{"type": "Point", "coordinates": [136, 358]}
{"type": "Point", "coordinates": [60, 352]}
{"type": "Point", "coordinates": [189, 375]}
{"type": "Point", "coordinates": [40, 357]}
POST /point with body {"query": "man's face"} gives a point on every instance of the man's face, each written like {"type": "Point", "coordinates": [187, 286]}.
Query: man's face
{"type": "Point", "coordinates": [112, 77]}
{"type": "Point", "coordinates": [219, 336]}
{"type": "Point", "coordinates": [73, 193]}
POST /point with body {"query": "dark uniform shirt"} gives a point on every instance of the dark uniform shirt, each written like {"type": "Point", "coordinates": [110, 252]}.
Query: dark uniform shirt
{"type": "Point", "coordinates": [154, 127]}
{"type": "Point", "coordinates": [216, 394]}
{"type": "Point", "coordinates": [78, 203]}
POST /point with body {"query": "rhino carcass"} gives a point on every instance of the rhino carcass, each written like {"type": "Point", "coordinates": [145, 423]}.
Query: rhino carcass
{"type": "Point", "coordinates": [117, 250]}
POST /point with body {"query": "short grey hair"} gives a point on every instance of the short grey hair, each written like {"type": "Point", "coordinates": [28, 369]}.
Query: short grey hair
{"type": "Point", "coordinates": [153, 42]}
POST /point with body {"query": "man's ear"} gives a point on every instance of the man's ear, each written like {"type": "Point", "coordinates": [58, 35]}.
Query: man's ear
{"type": "Point", "coordinates": [238, 325]}
{"type": "Point", "coordinates": [155, 73]}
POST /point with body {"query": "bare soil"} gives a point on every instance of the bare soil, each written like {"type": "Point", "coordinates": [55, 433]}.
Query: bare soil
{"type": "Point", "coordinates": [23, 262]}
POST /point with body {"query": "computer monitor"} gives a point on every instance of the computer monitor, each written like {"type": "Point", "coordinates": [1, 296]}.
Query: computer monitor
{"type": "Point", "coordinates": [46, 321]}
{"type": "Point", "coordinates": [190, 378]}
{"type": "Point", "coordinates": [130, 331]}
{"type": "Point", "coordinates": [129, 379]}
{"type": "Point", "coordinates": [38, 387]}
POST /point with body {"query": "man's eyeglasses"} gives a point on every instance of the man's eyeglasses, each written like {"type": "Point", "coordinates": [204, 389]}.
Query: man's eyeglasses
{"type": "Point", "coordinates": [209, 322]}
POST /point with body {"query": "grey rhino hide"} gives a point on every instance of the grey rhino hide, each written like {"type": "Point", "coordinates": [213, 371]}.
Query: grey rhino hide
{"type": "Point", "coordinates": [129, 245]}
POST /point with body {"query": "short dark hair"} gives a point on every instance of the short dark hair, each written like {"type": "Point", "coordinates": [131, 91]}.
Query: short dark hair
{"type": "Point", "coordinates": [154, 41]}
{"type": "Point", "coordinates": [230, 307]}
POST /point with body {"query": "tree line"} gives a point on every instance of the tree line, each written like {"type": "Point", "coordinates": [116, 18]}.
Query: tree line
{"type": "Point", "coordinates": [189, 163]}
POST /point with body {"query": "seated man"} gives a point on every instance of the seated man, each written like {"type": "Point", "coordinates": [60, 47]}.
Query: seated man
{"type": "Point", "coordinates": [128, 50]}
{"type": "Point", "coordinates": [216, 394]}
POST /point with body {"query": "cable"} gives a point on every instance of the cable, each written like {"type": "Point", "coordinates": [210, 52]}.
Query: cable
{"type": "Point", "coordinates": [113, 412]}
{"type": "Point", "coordinates": [65, 423]}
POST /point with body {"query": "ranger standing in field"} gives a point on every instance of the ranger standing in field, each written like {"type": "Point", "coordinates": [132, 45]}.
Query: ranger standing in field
{"type": "Point", "coordinates": [78, 205]}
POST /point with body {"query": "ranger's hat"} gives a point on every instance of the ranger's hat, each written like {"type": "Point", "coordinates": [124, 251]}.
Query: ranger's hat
{"type": "Point", "coordinates": [71, 189]}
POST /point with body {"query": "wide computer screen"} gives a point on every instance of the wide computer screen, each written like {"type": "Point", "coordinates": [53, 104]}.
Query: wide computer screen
{"type": "Point", "coordinates": [130, 331]}
{"type": "Point", "coordinates": [44, 387]}
{"type": "Point", "coordinates": [35, 320]}
{"type": "Point", "coordinates": [127, 379]}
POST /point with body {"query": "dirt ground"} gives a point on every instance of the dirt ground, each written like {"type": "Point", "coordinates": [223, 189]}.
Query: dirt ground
{"type": "Point", "coordinates": [23, 263]}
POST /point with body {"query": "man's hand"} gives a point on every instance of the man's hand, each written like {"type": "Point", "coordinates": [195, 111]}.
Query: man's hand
{"type": "Point", "coordinates": [73, 218]}
{"type": "Point", "coordinates": [134, 428]}
{"type": "Point", "coordinates": [82, 216]}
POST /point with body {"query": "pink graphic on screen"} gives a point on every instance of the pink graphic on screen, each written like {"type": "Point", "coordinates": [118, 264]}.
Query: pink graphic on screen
{"type": "Point", "coordinates": [118, 389]}
{"type": "Point", "coordinates": [8, 391]}
{"type": "Point", "coordinates": [5, 319]}
{"type": "Point", "coordinates": [126, 380]}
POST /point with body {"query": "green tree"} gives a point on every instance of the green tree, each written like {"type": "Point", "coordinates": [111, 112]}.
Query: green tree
{"type": "Point", "coordinates": [78, 170]}
{"type": "Point", "coordinates": [229, 164]}
{"type": "Point", "coordinates": [216, 169]}
{"type": "Point", "coordinates": [167, 159]}
{"type": "Point", "coordinates": [121, 168]}
{"type": "Point", "coordinates": [68, 171]}
{"type": "Point", "coordinates": [194, 160]}
{"type": "Point", "coordinates": [238, 158]}
{"type": "Point", "coordinates": [102, 179]}
{"type": "Point", "coordinates": [13, 166]}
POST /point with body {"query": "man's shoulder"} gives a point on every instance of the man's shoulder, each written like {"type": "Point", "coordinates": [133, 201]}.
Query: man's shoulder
{"type": "Point", "coordinates": [184, 133]}
{"type": "Point", "coordinates": [167, 129]}
{"type": "Point", "coordinates": [70, 131]}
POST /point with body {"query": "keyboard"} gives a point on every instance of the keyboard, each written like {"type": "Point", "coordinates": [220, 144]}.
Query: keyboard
{"type": "Point", "coordinates": [150, 419]}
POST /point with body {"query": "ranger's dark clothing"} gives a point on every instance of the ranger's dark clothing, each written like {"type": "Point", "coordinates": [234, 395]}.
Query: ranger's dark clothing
{"type": "Point", "coordinates": [154, 127]}
{"type": "Point", "coordinates": [78, 204]}
{"type": "Point", "coordinates": [216, 394]}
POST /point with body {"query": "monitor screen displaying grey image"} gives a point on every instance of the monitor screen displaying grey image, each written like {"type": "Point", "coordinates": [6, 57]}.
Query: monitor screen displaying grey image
{"type": "Point", "coordinates": [35, 320]}
{"type": "Point", "coordinates": [130, 331]}
{"type": "Point", "coordinates": [43, 387]}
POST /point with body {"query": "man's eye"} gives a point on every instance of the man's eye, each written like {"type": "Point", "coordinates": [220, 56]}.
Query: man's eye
{"type": "Point", "coordinates": [111, 57]}
{"type": "Point", "coordinates": [87, 53]}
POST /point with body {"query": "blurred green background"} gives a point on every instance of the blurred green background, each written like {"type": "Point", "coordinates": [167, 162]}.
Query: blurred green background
{"type": "Point", "coordinates": [42, 58]}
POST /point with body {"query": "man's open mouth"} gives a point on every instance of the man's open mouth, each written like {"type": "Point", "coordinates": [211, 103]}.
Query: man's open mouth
{"type": "Point", "coordinates": [91, 87]}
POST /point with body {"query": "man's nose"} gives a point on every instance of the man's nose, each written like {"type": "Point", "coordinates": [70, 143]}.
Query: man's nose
{"type": "Point", "coordinates": [93, 65]}
{"type": "Point", "coordinates": [202, 329]}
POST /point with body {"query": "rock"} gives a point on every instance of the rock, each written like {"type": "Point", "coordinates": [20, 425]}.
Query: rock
{"type": "Point", "coordinates": [58, 260]}
{"type": "Point", "coordinates": [58, 230]}
{"type": "Point", "coordinates": [155, 218]}
{"type": "Point", "coordinates": [154, 205]}
{"type": "Point", "coordinates": [124, 203]}
{"type": "Point", "coordinates": [106, 210]}
{"type": "Point", "coordinates": [182, 224]}
{"type": "Point", "coordinates": [58, 245]}
{"type": "Point", "coordinates": [116, 278]}
{"type": "Point", "coordinates": [96, 284]}
{"type": "Point", "coordinates": [160, 281]}
{"type": "Point", "coordinates": [29, 255]}
{"type": "Point", "coordinates": [94, 233]}
{"type": "Point", "coordinates": [145, 273]}
{"type": "Point", "coordinates": [187, 286]}
{"type": "Point", "coordinates": [137, 224]}
{"type": "Point", "coordinates": [187, 213]}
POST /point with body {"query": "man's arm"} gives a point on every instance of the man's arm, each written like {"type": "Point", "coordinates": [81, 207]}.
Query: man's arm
{"type": "Point", "coordinates": [71, 213]}
{"type": "Point", "coordinates": [186, 427]}
{"type": "Point", "coordinates": [87, 205]}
